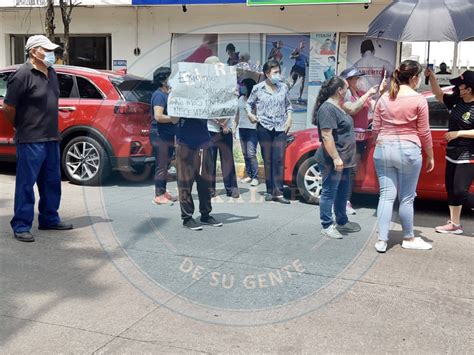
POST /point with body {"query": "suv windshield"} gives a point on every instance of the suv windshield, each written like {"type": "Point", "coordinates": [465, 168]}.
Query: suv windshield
{"type": "Point", "coordinates": [134, 88]}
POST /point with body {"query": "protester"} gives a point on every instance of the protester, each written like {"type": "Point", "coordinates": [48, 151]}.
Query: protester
{"type": "Point", "coordinates": [402, 128]}
{"type": "Point", "coordinates": [194, 164]}
{"type": "Point", "coordinates": [222, 140]}
{"type": "Point", "coordinates": [247, 134]}
{"type": "Point", "coordinates": [460, 149]}
{"type": "Point", "coordinates": [269, 106]}
{"type": "Point", "coordinates": [162, 135]}
{"type": "Point", "coordinates": [31, 106]}
{"type": "Point", "coordinates": [335, 157]}
{"type": "Point", "coordinates": [358, 105]}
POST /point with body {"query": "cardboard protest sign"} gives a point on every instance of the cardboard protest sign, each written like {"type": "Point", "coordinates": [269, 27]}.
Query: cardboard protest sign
{"type": "Point", "coordinates": [206, 91]}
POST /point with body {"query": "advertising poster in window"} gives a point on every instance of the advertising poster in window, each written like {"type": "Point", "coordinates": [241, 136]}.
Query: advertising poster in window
{"type": "Point", "coordinates": [292, 52]}
{"type": "Point", "coordinates": [373, 57]}
{"type": "Point", "coordinates": [193, 48]}
{"type": "Point", "coordinates": [323, 62]}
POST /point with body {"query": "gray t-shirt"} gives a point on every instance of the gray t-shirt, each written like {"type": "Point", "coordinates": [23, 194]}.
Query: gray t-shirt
{"type": "Point", "coordinates": [329, 116]}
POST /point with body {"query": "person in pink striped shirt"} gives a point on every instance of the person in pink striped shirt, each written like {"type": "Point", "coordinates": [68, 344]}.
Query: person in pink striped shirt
{"type": "Point", "coordinates": [401, 128]}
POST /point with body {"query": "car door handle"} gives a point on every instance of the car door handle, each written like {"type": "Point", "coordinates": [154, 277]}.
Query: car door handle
{"type": "Point", "coordinates": [67, 108]}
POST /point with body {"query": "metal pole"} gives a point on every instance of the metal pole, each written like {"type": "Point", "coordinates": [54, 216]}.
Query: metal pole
{"type": "Point", "coordinates": [455, 69]}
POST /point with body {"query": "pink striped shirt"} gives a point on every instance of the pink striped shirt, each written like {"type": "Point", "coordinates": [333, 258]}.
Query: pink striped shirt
{"type": "Point", "coordinates": [405, 118]}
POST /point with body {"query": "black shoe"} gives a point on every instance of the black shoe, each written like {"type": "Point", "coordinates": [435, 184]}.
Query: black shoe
{"type": "Point", "coordinates": [26, 237]}
{"type": "Point", "coordinates": [59, 227]}
{"type": "Point", "coordinates": [213, 193]}
{"type": "Point", "coordinates": [233, 194]}
{"type": "Point", "coordinates": [283, 200]}
{"type": "Point", "coordinates": [190, 223]}
{"type": "Point", "coordinates": [209, 220]}
{"type": "Point", "coordinates": [268, 197]}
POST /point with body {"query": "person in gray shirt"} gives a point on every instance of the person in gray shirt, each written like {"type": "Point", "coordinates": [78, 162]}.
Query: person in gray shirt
{"type": "Point", "coordinates": [269, 106]}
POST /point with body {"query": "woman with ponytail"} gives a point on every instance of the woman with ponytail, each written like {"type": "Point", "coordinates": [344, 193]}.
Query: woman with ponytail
{"type": "Point", "coordinates": [335, 157]}
{"type": "Point", "coordinates": [402, 129]}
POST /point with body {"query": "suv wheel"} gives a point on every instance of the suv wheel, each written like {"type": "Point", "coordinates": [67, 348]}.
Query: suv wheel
{"type": "Point", "coordinates": [309, 181]}
{"type": "Point", "coordinates": [85, 162]}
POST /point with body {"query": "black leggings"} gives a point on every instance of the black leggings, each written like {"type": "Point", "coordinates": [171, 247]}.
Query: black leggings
{"type": "Point", "coordinates": [458, 179]}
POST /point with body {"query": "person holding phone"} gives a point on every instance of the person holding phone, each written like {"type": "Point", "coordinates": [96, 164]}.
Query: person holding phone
{"type": "Point", "coordinates": [460, 148]}
{"type": "Point", "coordinates": [335, 157]}
{"type": "Point", "coordinates": [402, 130]}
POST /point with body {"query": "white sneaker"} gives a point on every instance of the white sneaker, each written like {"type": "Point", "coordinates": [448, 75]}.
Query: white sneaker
{"type": "Point", "coordinates": [331, 232]}
{"type": "Point", "coordinates": [254, 182]}
{"type": "Point", "coordinates": [349, 209]}
{"type": "Point", "coordinates": [245, 180]}
{"type": "Point", "coordinates": [381, 246]}
{"type": "Point", "coordinates": [416, 243]}
{"type": "Point", "coordinates": [172, 170]}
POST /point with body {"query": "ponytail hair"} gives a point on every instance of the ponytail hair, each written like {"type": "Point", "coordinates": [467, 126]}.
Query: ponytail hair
{"type": "Point", "coordinates": [402, 75]}
{"type": "Point", "coordinates": [328, 89]}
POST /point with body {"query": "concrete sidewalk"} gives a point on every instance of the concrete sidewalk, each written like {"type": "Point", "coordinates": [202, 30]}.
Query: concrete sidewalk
{"type": "Point", "coordinates": [119, 282]}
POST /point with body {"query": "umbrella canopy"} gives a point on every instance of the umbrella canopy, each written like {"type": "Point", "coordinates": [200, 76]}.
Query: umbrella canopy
{"type": "Point", "coordinates": [425, 20]}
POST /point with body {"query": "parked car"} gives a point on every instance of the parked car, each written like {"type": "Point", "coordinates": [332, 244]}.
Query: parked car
{"type": "Point", "coordinates": [104, 119]}
{"type": "Point", "coordinates": [301, 169]}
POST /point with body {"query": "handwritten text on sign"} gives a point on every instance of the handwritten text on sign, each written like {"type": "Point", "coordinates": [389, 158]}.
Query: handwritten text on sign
{"type": "Point", "coordinates": [206, 91]}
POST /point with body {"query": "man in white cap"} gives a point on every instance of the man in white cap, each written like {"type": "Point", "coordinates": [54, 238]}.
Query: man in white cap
{"type": "Point", "coordinates": [31, 106]}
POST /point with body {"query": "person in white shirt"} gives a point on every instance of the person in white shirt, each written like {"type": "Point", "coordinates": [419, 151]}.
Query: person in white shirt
{"type": "Point", "coordinates": [247, 134]}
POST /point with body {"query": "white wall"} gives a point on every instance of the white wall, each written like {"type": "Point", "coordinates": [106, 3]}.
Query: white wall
{"type": "Point", "coordinates": [155, 25]}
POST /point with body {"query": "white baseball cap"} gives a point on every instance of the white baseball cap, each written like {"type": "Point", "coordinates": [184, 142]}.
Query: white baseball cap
{"type": "Point", "coordinates": [40, 41]}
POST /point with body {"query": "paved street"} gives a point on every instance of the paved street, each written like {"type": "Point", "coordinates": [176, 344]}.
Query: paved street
{"type": "Point", "coordinates": [130, 279]}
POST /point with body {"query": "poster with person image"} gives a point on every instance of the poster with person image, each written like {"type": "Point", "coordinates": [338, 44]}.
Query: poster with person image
{"type": "Point", "coordinates": [323, 62]}
{"type": "Point", "coordinates": [292, 52]}
{"type": "Point", "coordinates": [373, 57]}
{"type": "Point", "coordinates": [193, 48]}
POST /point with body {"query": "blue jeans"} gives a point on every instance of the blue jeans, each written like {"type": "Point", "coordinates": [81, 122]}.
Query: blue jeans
{"type": "Point", "coordinates": [248, 142]}
{"type": "Point", "coordinates": [398, 166]}
{"type": "Point", "coordinates": [37, 163]}
{"type": "Point", "coordinates": [335, 191]}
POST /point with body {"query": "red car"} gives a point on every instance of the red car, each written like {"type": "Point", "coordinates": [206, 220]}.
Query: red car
{"type": "Point", "coordinates": [104, 120]}
{"type": "Point", "coordinates": [301, 169]}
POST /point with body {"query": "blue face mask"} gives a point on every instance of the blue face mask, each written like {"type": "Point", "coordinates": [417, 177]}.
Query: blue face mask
{"type": "Point", "coordinates": [243, 90]}
{"type": "Point", "coordinates": [275, 78]}
{"type": "Point", "coordinates": [49, 59]}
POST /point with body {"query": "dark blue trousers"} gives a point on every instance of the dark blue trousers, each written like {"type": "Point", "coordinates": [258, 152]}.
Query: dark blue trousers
{"type": "Point", "coordinates": [37, 163]}
{"type": "Point", "coordinates": [273, 145]}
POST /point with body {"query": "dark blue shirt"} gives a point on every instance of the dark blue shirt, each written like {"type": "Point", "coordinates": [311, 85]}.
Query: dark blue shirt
{"type": "Point", "coordinates": [193, 133]}
{"type": "Point", "coordinates": [166, 130]}
{"type": "Point", "coordinates": [35, 97]}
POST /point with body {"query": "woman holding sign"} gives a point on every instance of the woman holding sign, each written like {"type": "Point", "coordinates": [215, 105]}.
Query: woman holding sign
{"type": "Point", "coordinates": [269, 106]}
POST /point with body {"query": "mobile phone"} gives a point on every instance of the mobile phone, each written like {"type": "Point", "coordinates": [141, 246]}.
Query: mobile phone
{"type": "Point", "coordinates": [427, 78]}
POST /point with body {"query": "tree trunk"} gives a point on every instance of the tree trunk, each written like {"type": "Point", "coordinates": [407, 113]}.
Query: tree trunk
{"type": "Point", "coordinates": [66, 7]}
{"type": "Point", "coordinates": [49, 20]}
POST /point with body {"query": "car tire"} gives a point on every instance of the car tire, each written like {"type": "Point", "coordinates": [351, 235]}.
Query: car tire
{"type": "Point", "coordinates": [309, 181]}
{"type": "Point", "coordinates": [138, 174]}
{"type": "Point", "coordinates": [85, 161]}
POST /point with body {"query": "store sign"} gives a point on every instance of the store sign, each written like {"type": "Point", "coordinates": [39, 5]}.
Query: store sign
{"type": "Point", "coordinates": [185, 2]}
{"type": "Point", "coordinates": [119, 65]}
{"type": "Point", "coordinates": [29, 3]}
{"type": "Point", "coordinates": [304, 2]}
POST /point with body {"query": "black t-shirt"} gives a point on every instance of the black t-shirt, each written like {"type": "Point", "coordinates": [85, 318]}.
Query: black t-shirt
{"type": "Point", "coordinates": [166, 130]}
{"type": "Point", "coordinates": [461, 117]}
{"type": "Point", "coordinates": [35, 98]}
{"type": "Point", "coordinates": [329, 116]}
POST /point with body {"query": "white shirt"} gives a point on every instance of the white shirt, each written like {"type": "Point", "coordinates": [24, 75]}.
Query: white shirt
{"type": "Point", "coordinates": [244, 121]}
{"type": "Point", "coordinates": [213, 126]}
{"type": "Point", "coordinates": [373, 67]}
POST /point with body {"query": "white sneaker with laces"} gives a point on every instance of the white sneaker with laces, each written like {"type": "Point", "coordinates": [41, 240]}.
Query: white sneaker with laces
{"type": "Point", "coordinates": [245, 180]}
{"type": "Point", "coordinates": [381, 246]}
{"type": "Point", "coordinates": [349, 209]}
{"type": "Point", "coordinates": [331, 232]}
{"type": "Point", "coordinates": [416, 243]}
{"type": "Point", "coordinates": [254, 182]}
